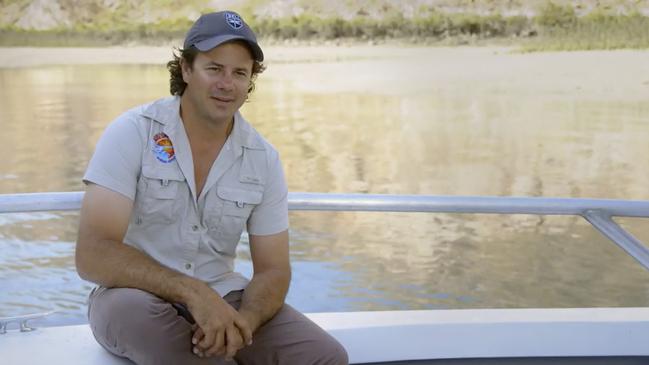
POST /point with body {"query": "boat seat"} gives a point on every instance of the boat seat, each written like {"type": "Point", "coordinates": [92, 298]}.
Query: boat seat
{"type": "Point", "coordinates": [574, 336]}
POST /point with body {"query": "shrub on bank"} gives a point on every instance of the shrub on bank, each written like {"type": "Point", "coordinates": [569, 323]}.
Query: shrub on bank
{"type": "Point", "coordinates": [394, 26]}
{"type": "Point", "coordinates": [554, 16]}
{"type": "Point", "coordinates": [596, 31]}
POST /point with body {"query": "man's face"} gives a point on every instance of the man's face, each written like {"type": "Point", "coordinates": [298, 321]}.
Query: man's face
{"type": "Point", "coordinates": [217, 84]}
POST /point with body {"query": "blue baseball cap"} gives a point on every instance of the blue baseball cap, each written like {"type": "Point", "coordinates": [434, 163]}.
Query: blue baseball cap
{"type": "Point", "coordinates": [213, 29]}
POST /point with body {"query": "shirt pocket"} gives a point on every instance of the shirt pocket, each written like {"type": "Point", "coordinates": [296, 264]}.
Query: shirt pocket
{"type": "Point", "coordinates": [238, 204]}
{"type": "Point", "coordinates": [159, 191]}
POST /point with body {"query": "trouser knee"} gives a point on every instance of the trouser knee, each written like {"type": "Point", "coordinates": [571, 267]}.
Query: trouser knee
{"type": "Point", "coordinates": [334, 354]}
{"type": "Point", "coordinates": [135, 324]}
{"type": "Point", "coordinates": [325, 351]}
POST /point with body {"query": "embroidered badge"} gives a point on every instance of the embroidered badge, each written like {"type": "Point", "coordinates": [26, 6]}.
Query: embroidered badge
{"type": "Point", "coordinates": [233, 20]}
{"type": "Point", "coordinates": [163, 148]}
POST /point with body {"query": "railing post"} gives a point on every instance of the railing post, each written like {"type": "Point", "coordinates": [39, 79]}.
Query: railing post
{"type": "Point", "coordinates": [603, 222]}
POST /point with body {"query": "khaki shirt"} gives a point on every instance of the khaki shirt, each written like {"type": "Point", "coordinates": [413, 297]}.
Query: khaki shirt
{"type": "Point", "coordinates": [145, 155]}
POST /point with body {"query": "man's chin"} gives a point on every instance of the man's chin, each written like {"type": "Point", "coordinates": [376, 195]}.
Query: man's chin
{"type": "Point", "coordinates": [221, 115]}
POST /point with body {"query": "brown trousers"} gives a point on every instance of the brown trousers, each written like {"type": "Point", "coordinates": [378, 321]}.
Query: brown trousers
{"type": "Point", "coordinates": [146, 329]}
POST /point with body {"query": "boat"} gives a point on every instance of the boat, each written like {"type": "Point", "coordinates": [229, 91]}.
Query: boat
{"type": "Point", "coordinates": [451, 336]}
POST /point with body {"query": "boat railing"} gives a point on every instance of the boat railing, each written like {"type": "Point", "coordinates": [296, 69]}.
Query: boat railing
{"type": "Point", "coordinates": [598, 212]}
{"type": "Point", "coordinates": [465, 334]}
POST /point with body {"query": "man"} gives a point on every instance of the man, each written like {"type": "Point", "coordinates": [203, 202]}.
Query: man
{"type": "Point", "coordinates": [170, 188]}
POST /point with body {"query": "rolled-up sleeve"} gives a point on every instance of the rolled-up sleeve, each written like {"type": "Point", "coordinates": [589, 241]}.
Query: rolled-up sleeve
{"type": "Point", "coordinates": [271, 215]}
{"type": "Point", "coordinates": [116, 162]}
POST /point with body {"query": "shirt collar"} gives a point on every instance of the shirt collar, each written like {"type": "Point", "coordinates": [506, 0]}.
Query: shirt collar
{"type": "Point", "coordinates": [243, 135]}
{"type": "Point", "coordinates": [166, 111]}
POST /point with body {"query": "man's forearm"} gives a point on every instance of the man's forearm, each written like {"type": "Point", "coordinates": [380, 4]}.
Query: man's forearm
{"type": "Point", "coordinates": [103, 258]}
{"type": "Point", "coordinates": [264, 296]}
{"type": "Point", "coordinates": [114, 264]}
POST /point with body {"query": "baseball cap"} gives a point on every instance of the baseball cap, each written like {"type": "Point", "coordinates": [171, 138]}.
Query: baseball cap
{"type": "Point", "coordinates": [213, 29]}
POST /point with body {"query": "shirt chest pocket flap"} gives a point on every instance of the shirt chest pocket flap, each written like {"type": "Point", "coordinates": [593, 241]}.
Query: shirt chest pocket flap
{"type": "Point", "coordinates": [238, 202]}
{"type": "Point", "coordinates": [160, 188]}
{"type": "Point", "coordinates": [237, 206]}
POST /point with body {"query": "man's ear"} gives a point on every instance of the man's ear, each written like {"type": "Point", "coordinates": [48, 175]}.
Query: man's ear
{"type": "Point", "coordinates": [186, 69]}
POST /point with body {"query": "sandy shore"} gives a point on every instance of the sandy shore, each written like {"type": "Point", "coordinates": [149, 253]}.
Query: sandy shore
{"type": "Point", "coordinates": [43, 56]}
{"type": "Point", "coordinates": [12, 57]}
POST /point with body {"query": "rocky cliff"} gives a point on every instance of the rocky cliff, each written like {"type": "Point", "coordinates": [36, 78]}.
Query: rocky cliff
{"type": "Point", "coordinates": [61, 14]}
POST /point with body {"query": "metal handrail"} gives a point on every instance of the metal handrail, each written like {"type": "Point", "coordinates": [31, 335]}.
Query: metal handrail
{"type": "Point", "coordinates": [598, 212]}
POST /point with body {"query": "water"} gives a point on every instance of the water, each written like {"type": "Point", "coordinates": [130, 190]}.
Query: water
{"type": "Point", "coordinates": [403, 121]}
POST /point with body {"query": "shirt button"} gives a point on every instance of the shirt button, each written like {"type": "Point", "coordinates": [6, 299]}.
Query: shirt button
{"type": "Point", "coordinates": [188, 266]}
{"type": "Point", "coordinates": [194, 228]}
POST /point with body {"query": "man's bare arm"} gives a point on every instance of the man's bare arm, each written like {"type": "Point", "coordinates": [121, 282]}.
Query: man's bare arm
{"type": "Point", "coordinates": [265, 293]}
{"type": "Point", "coordinates": [103, 258]}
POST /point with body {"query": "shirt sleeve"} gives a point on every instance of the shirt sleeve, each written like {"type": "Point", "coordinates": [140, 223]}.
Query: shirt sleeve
{"type": "Point", "coordinates": [271, 215]}
{"type": "Point", "coordinates": [117, 159]}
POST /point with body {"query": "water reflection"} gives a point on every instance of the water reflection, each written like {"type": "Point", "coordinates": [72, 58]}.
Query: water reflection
{"type": "Point", "coordinates": [405, 134]}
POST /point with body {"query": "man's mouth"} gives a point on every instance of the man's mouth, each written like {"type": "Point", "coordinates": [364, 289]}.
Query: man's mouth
{"type": "Point", "coordinates": [223, 99]}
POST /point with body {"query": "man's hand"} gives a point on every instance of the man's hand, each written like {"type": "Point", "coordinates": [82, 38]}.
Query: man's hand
{"type": "Point", "coordinates": [102, 257]}
{"type": "Point", "coordinates": [251, 318]}
{"type": "Point", "coordinates": [220, 329]}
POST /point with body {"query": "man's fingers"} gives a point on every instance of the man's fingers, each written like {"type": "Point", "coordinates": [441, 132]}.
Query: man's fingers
{"type": "Point", "coordinates": [217, 347]}
{"type": "Point", "coordinates": [208, 340]}
{"type": "Point", "coordinates": [198, 335]}
{"type": "Point", "coordinates": [233, 342]}
{"type": "Point", "coordinates": [244, 328]}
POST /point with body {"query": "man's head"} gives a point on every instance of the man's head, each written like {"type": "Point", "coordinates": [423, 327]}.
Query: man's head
{"type": "Point", "coordinates": [209, 32]}
{"type": "Point", "coordinates": [213, 29]}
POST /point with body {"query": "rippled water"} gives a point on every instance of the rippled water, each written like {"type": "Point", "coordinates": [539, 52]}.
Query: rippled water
{"type": "Point", "coordinates": [420, 121]}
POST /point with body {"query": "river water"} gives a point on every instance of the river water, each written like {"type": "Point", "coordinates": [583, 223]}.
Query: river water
{"type": "Point", "coordinates": [398, 120]}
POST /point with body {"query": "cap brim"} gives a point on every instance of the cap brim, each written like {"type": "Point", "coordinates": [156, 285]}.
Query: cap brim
{"type": "Point", "coordinates": [208, 44]}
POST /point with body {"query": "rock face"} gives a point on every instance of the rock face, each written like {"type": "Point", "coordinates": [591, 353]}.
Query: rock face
{"type": "Point", "coordinates": [48, 14]}
{"type": "Point", "coordinates": [43, 14]}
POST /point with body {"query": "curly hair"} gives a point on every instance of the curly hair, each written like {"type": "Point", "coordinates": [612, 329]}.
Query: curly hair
{"type": "Point", "coordinates": [176, 83]}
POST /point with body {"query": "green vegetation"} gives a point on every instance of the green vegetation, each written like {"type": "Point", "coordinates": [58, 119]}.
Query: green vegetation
{"type": "Point", "coordinates": [596, 30]}
{"type": "Point", "coordinates": [554, 26]}
{"type": "Point", "coordinates": [95, 35]}
{"type": "Point", "coordinates": [433, 27]}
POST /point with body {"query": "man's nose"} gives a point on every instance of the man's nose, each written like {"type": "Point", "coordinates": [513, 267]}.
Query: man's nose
{"type": "Point", "coordinates": [225, 81]}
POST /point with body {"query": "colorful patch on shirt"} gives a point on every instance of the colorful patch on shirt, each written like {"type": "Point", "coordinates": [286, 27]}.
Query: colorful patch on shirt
{"type": "Point", "coordinates": [163, 148]}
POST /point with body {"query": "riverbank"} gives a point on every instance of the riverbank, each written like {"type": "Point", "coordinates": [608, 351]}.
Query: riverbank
{"type": "Point", "coordinates": [549, 27]}
{"type": "Point", "coordinates": [19, 57]}
{"type": "Point", "coordinates": [591, 74]}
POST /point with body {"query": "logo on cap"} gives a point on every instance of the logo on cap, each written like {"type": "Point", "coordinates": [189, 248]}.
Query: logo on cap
{"type": "Point", "coordinates": [234, 20]}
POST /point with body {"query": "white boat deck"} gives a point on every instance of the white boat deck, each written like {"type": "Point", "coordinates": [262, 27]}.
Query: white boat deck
{"type": "Point", "coordinates": [453, 337]}
{"type": "Point", "coordinates": [618, 360]}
